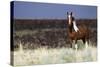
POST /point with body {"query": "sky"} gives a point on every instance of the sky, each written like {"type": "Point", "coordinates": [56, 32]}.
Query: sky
{"type": "Point", "coordinates": [33, 10]}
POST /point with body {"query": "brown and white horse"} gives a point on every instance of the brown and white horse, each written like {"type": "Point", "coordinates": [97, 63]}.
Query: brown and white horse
{"type": "Point", "coordinates": [77, 32]}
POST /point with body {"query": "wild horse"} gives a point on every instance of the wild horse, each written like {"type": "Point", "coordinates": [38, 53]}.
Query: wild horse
{"type": "Point", "coordinates": [77, 32]}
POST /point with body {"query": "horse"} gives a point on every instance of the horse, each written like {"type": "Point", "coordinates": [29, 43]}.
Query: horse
{"type": "Point", "coordinates": [75, 32]}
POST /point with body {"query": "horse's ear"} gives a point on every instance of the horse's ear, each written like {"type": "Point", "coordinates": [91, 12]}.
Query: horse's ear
{"type": "Point", "coordinates": [71, 13]}
{"type": "Point", "coordinates": [67, 13]}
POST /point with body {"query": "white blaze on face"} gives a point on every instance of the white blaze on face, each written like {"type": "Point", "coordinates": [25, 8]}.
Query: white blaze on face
{"type": "Point", "coordinates": [75, 26]}
{"type": "Point", "coordinates": [69, 17]}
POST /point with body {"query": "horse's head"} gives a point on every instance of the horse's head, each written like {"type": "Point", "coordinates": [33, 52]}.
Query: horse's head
{"type": "Point", "coordinates": [70, 18]}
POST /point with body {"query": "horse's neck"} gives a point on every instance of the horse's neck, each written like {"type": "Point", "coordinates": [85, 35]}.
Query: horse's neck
{"type": "Point", "coordinates": [75, 26]}
{"type": "Point", "coordinates": [71, 28]}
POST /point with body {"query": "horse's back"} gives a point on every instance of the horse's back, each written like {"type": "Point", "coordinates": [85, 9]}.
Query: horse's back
{"type": "Point", "coordinates": [83, 29]}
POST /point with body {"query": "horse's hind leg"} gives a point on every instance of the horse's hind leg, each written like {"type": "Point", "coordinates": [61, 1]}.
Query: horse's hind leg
{"type": "Point", "coordinates": [85, 41]}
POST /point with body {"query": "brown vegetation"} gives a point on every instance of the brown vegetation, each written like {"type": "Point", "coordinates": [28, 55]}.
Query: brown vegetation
{"type": "Point", "coordinates": [50, 33]}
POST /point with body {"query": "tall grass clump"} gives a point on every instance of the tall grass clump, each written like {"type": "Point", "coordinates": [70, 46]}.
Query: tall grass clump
{"type": "Point", "coordinates": [44, 55]}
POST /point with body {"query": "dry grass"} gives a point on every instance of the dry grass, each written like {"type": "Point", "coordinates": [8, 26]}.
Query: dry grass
{"type": "Point", "coordinates": [54, 55]}
{"type": "Point", "coordinates": [54, 36]}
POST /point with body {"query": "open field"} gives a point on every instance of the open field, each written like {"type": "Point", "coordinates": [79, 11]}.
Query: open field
{"type": "Point", "coordinates": [52, 33]}
{"type": "Point", "coordinates": [54, 56]}
{"type": "Point", "coordinates": [47, 42]}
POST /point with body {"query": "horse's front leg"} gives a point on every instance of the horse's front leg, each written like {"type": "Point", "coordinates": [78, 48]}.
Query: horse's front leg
{"type": "Point", "coordinates": [71, 41]}
{"type": "Point", "coordinates": [76, 46]}
{"type": "Point", "coordinates": [86, 43]}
